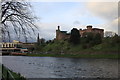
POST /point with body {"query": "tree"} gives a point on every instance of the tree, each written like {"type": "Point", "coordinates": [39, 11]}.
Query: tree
{"type": "Point", "coordinates": [42, 41]}
{"type": "Point", "coordinates": [75, 36]}
{"type": "Point", "coordinates": [88, 36]}
{"type": "Point", "coordinates": [49, 41]}
{"type": "Point", "coordinates": [91, 39]}
{"type": "Point", "coordinates": [17, 18]}
{"type": "Point", "coordinates": [115, 40]}
{"type": "Point", "coordinates": [97, 39]}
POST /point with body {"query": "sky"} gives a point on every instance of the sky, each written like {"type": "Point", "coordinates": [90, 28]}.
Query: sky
{"type": "Point", "coordinates": [78, 15]}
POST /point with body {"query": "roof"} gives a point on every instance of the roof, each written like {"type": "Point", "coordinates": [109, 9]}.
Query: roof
{"type": "Point", "coordinates": [97, 29]}
{"type": "Point", "coordinates": [63, 31]}
{"type": "Point", "coordinates": [68, 33]}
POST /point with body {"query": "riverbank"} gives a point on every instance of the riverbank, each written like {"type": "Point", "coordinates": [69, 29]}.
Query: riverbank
{"type": "Point", "coordinates": [108, 48]}
{"type": "Point", "coordinates": [106, 56]}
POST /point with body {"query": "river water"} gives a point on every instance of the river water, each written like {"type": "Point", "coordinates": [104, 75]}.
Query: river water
{"type": "Point", "coordinates": [54, 67]}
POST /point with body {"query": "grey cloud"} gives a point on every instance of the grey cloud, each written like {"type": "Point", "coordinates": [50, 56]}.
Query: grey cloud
{"type": "Point", "coordinates": [105, 10]}
{"type": "Point", "coordinates": [76, 22]}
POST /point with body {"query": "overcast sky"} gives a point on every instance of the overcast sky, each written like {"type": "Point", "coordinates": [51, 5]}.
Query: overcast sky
{"type": "Point", "coordinates": [75, 14]}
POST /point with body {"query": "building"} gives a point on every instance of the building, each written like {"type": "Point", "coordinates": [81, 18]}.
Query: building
{"type": "Point", "coordinates": [11, 45]}
{"type": "Point", "coordinates": [109, 34]}
{"type": "Point", "coordinates": [61, 35]}
{"type": "Point", "coordinates": [40, 40]}
{"type": "Point", "coordinates": [15, 46]}
{"type": "Point", "coordinates": [92, 30]}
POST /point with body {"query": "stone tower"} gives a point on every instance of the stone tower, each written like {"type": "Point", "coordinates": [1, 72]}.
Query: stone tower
{"type": "Point", "coordinates": [59, 28]}
{"type": "Point", "coordinates": [57, 33]}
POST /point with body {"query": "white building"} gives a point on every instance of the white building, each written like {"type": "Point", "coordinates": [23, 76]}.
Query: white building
{"type": "Point", "coordinates": [109, 34]}
{"type": "Point", "coordinates": [10, 45]}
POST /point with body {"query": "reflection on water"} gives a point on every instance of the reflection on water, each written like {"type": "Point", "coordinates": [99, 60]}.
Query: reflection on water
{"type": "Point", "coordinates": [53, 67]}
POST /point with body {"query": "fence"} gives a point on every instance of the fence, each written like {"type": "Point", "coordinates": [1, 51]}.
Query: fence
{"type": "Point", "coordinates": [9, 75]}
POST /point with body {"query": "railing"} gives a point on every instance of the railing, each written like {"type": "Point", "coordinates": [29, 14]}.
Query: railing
{"type": "Point", "coordinates": [9, 75]}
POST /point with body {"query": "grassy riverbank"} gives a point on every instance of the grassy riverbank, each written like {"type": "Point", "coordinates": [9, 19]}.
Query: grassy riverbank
{"type": "Point", "coordinates": [108, 48]}
{"type": "Point", "coordinates": [66, 47]}
{"type": "Point", "coordinates": [107, 56]}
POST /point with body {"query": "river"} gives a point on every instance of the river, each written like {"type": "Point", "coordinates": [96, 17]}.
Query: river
{"type": "Point", "coordinates": [54, 67]}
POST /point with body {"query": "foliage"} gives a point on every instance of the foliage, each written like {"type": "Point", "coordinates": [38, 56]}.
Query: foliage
{"type": "Point", "coordinates": [95, 44]}
{"type": "Point", "coordinates": [88, 36]}
{"type": "Point", "coordinates": [40, 44]}
{"type": "Point", "coordinates": [115, 40]}
{"type": "Point", "coordinates": [90, 39]}
{"type": "Point", "coordinates": [49, 41]}
{"type": "Point", "coordinates": [42, 41]}
{"type": "Point", "coordinates": [75, 36]}
{"type": "Point", "coordinates": [97, 39]}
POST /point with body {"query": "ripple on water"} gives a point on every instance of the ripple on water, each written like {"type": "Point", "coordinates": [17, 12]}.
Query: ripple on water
{"type": "Point", "coordinates": [51, 67]}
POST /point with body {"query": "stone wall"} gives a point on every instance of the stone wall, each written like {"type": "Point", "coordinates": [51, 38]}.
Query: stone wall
{"type": "Point", "coordinates": [61, 35]}
{"type": "Point", "coordinates": [93, 30]}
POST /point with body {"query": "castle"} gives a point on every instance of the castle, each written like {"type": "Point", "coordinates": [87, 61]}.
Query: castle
{"type": "Point", "coordinates": [61, 35]}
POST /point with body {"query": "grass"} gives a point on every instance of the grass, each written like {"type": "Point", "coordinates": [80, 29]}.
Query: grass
{"type": "Point", "coordinates": [65, 46]}
{"type": "Point", "coordinates": [108, 56]}
{"type": "Point", "coordinates": [104, 50]}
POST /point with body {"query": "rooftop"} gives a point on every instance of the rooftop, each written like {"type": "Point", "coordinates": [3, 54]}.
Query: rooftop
{"type": "Point", "coordinates": [63, 31]}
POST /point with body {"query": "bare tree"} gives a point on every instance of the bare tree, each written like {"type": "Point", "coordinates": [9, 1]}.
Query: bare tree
{"type": "Point", "coordinates": [17, 17]}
